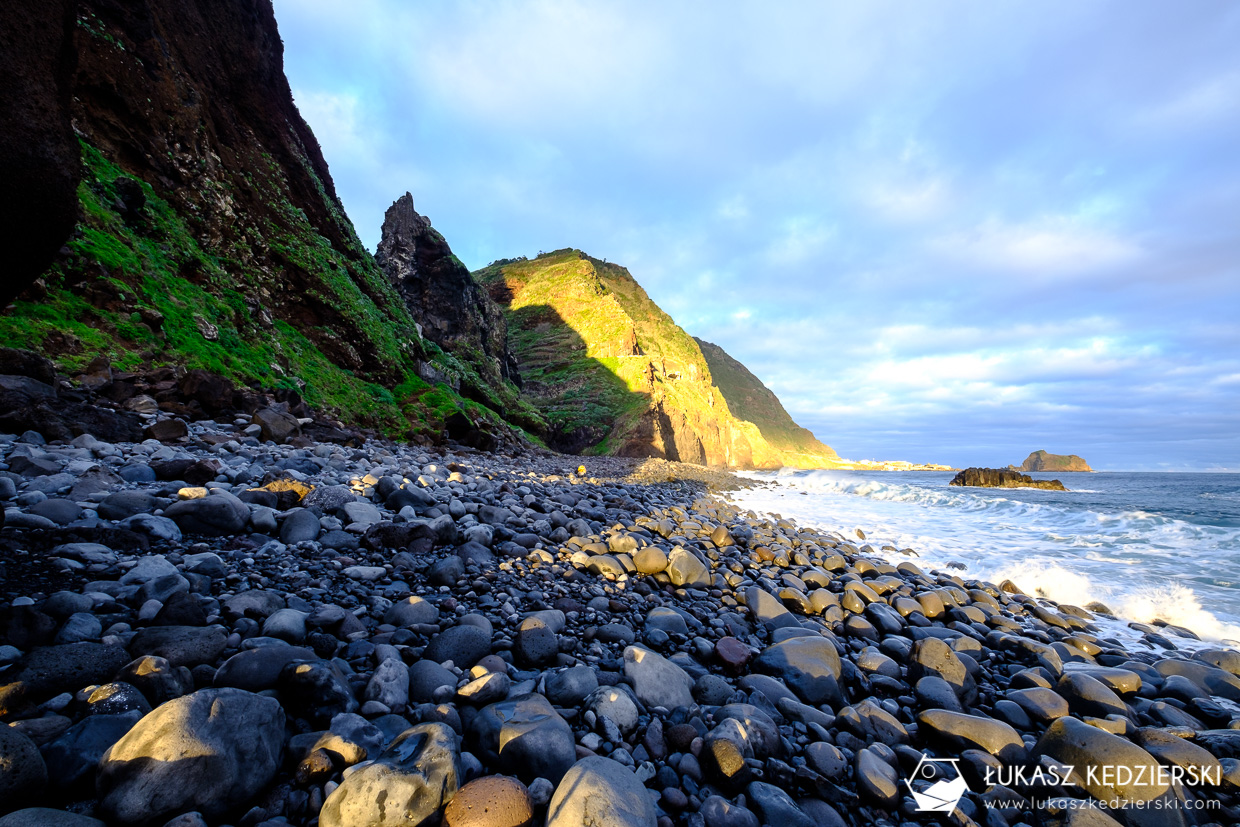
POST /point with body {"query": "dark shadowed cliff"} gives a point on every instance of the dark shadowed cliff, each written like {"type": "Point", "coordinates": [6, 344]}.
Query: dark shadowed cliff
{"type": "Point", "coordinates": [39, 152]}
{"type": "Point", "coordinates": [208, 232]}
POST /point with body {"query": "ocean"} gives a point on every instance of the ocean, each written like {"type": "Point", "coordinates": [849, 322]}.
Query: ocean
{"type": "Point", "coordinates": [1147, 545]}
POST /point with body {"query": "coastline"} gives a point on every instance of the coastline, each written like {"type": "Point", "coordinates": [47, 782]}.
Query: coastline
{"type": "Point", "coordinates": [723, 662]}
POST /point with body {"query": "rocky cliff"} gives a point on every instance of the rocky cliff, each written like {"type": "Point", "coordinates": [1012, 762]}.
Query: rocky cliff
{"type": "Point", "coordinates": [613, 374]}
{"type": "Point", "coordinates": [208, 232]}
{"type": "Point", "coordinates": [453, 312]}
{"type": "Point", "coordinates": [751, 401]}
{"type": "Point", "coordinates": [1042, 461]}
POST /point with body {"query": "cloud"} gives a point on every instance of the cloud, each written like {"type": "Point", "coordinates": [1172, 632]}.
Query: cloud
{"type": "Point", "coordinates": [1050, 247]}
{"type": "Point", "coordinates": [959, 227]}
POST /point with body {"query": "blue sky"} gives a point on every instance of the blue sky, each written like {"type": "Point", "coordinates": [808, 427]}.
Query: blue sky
{"type": "Point", "coordinates": [944, 232]}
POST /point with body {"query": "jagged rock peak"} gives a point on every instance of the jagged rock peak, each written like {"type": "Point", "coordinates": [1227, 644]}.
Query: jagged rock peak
{"type": "Point", "coordinates": [453, 311]}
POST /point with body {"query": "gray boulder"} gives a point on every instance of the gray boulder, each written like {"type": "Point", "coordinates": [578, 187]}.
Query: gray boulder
{"type": "Point", "coordinates": [656, 680]}
{"type": "Point", "coordinates": [810, 666]}
{"type": "Point", "coordinates": [526, 737]}
{"type": "Point", "coordinates": [210, 751]}
{"type": "Point", "coordinates": [215, 515]}
{"type": "Point", "coordinates": [601, 792]}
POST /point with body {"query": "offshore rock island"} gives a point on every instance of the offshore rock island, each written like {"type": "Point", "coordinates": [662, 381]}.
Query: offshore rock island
{"type": "Point", "coordinates": [1042, 461]}
{"type": "Point", "coordinates": [1002, 478]}
{"type": "Point", "coordinates": [287, 539]}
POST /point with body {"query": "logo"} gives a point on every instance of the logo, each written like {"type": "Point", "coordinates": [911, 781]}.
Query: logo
{"type": "Point", "coordinates": [943, 795]}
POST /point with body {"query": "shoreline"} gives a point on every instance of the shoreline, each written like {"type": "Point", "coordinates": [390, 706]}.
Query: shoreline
{"type": "Point", "coordinates": [731, 668]}
{"type": "Point", "coordinates": [1067, 565]}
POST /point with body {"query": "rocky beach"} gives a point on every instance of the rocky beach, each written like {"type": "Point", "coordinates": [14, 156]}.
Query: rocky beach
{"type": "Point", "coordinates": [233, 622]}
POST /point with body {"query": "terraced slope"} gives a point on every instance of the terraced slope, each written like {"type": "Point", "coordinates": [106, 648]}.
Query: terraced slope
{"type": "Point", "coordinates": [614, 374]}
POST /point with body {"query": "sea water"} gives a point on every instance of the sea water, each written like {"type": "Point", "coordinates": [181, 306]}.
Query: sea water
{"type": "Point", "coordinates": [1150, 546]}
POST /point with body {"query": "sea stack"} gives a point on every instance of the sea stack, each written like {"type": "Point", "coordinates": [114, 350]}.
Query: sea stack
{"type": "Point", "coordinates": [1002, 478]}
{"type": "Point", "coordinates": [1042, 461]}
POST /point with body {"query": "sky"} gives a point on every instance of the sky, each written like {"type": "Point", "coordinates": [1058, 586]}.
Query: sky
{"type": "Point", "coordinates": [941, 232]}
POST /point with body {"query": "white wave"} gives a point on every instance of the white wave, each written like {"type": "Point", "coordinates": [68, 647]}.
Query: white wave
{"type": "Point", "coordinates": [1134, 561]}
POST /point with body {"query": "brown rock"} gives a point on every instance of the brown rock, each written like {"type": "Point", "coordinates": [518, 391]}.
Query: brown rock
{"type": "Point", "coordinates": [491, 801]}
{"type": "Point", "coordinates": [732, 654]}
{"type": "Point", "coordinates": [167, 430]}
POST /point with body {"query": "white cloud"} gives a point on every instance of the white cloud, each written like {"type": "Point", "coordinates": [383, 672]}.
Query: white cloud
{"type": "Point", "coordinates": [1049, 247]}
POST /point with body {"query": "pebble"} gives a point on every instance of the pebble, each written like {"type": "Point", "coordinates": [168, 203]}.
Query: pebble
{"type": "Point", "coordinates": [636, 653]}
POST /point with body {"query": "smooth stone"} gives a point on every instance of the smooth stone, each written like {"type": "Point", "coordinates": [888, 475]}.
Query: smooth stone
{"type": "Point", "coordinates": [411, 611]}
{"type": "Point", "coordinates": [209, 751]}
{"type": "Point", "coordinates": [656, 680]}
{"type": "Point", "coordinates": [23, 774]}
{"type": "Point", "coordinates": [464, 645]}
{"type": "Point", "coordinates": [1088, 696]}
{"type": "Point", "coordinates": [1082, 746]}
{"type": "Point", "coordinates": [650, 560]}
{"type": "Point", "coordinates": [617, 705]}
{"type": "Point", "coordinates": [767, 609]}
{"type": "Point", "coordinates": [366, 574]}
{"type": "Point", "coordinates": [974, 732]}
{"type": "Point", "coordinates": [487, 689]}
{"type": "Point", "coordinates": [426, 676]}
{"type": "Point", "coordinates": [526, 737]}
{"type": "Point", "coordinates": [666, 620]}
{"type": "Point", "coordinates": [61, 512]}
{"type": "Point", "coordinates": [603, 793]}
{"type": "Point", "coordinates": [810, 666]}
{"type": "Point", "coordinates": [1042, 704]}
{"type": "Point", "coordinates": [719, 812]}
{"type": "Point", "coordinates": [877, 780]}
{"type": "Point", "coordinates": [79, 627]}
{"type": "Point", "coordinates": [408, 784]}
{"type": "Point", "coordinates": [761, 734]}
{"type": "Point", "coordinates": [300, 526]}
{"type": "Point", "coordinates": [389, 685]}
{"type": "Point", "coordinates": [774, 806]}
{"type": "Point", "coordinates": [160, 528]}
{"type": "Point", "coordinates": [684, 569]}
{"type": "Point", "coordinates": [493, 801]}
{"type": "Point", "coordinates": [569, 687]}
{"type": "Point", "coordinates": [217, 515]}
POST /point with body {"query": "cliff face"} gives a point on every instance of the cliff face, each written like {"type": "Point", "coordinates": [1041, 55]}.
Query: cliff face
{"type": "Point", "coordinates": [752, 401]}
{"type": "Point", "coordinates": [613, 374]}
{"type": "Point", "coordinates": [208, 231]}
{"type": "Point", "coordinates": [1042, 461]}
{"type": "Point", "coordinates": [38, 181]}
{"type": "Point", "coordinates": [452, 311]}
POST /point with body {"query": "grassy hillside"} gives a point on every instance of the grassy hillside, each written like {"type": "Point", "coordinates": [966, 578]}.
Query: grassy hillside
{"type": "Point", "coordinates": [614, 374]}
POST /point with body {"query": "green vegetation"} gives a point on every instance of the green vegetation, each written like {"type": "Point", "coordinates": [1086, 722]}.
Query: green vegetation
{"type": "Point", "coordinates": [599, 357]}
{"type": "Point", "coordinates": [140, 288]}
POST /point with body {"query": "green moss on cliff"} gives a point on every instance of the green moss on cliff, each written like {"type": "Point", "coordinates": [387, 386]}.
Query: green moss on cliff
{"type": "Point", "coordinates": [140, 288]}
